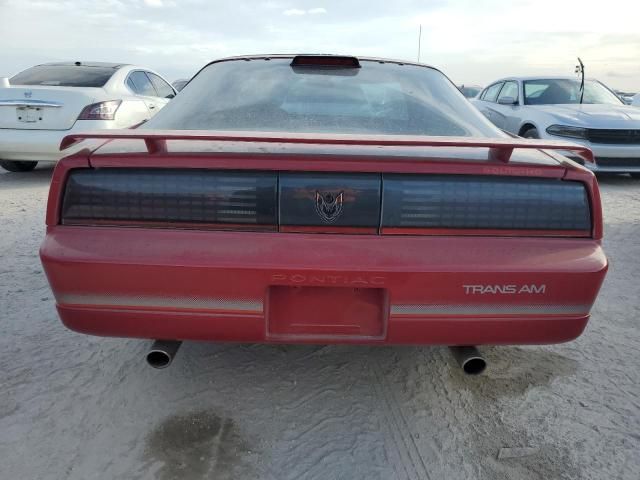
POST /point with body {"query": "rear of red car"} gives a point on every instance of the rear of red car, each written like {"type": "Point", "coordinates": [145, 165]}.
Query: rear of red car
{"type": "Point", "coordinates": [371, 237]}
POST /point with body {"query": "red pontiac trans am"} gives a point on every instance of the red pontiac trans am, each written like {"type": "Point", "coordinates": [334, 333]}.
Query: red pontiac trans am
{"type": "Point", "coordinates": [323, 199]}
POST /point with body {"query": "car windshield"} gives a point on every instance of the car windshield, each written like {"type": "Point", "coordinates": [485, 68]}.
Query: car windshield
{"type": "Point", "coordinates": [564, 91]}
{"type": "Point", "coordinates": [64, 76]}
{"type": "Point", "coordinates": [271, 95]}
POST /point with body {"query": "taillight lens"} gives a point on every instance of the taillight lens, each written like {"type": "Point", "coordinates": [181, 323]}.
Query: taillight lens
{"type": "Point", "coordinates": [464, 204]}
{"type": "Point", "coordinates": [178, 198]}
{"type": "Point", "coordinates": [321, 202]}
{"type": "Point", "coordinates": [100, 111]}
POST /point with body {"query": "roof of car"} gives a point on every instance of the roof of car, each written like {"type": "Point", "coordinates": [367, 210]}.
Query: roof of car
{"type": "Point", "coordinates": [115, 66]}
{"type": "Point", "coordinates": [292, 55]}
{"type": "Point", "coordinates": [541, 77]}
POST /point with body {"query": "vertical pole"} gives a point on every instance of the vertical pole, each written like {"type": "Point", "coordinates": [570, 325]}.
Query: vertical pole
{"type": "Point", "coordinates": [581, 80]}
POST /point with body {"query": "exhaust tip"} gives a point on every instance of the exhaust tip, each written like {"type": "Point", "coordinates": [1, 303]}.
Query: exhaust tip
{"type": "Point", "coordinates": [474, 366]}
{"type": "Point", "coordinates": [162, 353]}
{"type": "Point", "coordinates": [158, 359]}
{"type": "Point", "coordinates": [470, 359]}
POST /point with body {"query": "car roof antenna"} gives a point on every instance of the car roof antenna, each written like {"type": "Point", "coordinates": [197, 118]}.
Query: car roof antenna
{"type": "Point", "coordinates": [580, 70]}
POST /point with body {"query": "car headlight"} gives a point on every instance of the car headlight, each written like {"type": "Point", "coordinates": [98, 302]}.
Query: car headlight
{"type": "Point", "coordinates": [567, 131]}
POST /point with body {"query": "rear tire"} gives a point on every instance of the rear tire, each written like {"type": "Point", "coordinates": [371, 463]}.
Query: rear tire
{"type": "Point", "coordinates": [531, 133]}
{"type": "Point", "coordinates": [13, 166]}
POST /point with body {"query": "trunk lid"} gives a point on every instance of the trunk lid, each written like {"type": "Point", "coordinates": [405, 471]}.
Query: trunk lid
{"type": "Point", "coordinates": [44, 108]}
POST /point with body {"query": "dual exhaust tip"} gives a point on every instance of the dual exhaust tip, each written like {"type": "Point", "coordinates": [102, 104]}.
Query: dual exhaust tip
{"type": "Point", "coordinates": [163, 352]}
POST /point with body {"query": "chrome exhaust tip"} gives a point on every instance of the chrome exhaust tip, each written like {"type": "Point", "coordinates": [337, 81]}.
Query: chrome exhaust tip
{"type": "Point", "coordinates": [162, 353]}
{"type": "Point", "coordinates": [470, 359]}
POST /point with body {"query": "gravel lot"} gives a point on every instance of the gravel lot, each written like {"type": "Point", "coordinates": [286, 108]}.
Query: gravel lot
{"type": "Point", "coordinates": [80, 407]}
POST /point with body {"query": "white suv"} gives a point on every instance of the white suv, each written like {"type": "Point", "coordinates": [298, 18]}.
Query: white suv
{"type": "Point", "coordinates": [44, 103]}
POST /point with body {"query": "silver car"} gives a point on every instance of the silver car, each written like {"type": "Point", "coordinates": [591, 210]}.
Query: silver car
{"type": "Point", "coordinates": [41, 105]}
{"type": "Point", "coordinates": [557, 107]}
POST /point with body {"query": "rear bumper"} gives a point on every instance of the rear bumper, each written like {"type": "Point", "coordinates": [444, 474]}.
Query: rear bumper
{"type": "Point", "coordinates": [219, 286]}
{"type": "Point", "coordinates": [42, 145]}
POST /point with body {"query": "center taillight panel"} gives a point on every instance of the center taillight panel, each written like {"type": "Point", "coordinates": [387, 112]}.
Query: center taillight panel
{"type": "Point", "coordinates": [326, 202]}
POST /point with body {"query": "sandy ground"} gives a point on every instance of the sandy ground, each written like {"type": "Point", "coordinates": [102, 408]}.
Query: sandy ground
{"type": "Point", "coordinates": [79, 407]}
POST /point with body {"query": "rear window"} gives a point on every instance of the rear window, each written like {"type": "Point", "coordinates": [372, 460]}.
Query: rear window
{"type": "Point", "coordinates": [64, 76]}
{"type": "Point", "coordinates": [270, 95]}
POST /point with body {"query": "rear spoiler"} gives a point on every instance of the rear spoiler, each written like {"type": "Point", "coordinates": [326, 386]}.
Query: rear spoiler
{"type": "Point", "coordinates": [499, 149]}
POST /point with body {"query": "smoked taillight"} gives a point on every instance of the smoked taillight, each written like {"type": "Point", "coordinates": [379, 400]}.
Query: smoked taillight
{"type": "Point", "coordinates": [187, 198]}
{"type": "Point", "coordinates": [327, 202]}
{"type": "Point", "coordinates": [466, 204]}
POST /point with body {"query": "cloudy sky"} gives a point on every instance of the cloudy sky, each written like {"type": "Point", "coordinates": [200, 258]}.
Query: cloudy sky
{"type": "Point", "coordinates": [473, 41]}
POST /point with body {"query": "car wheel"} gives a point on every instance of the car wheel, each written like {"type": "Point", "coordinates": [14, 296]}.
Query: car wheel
{"type": "Point", "coordinates": [531, 133]}
{"type": "Point", "coordinates": [13, 166]}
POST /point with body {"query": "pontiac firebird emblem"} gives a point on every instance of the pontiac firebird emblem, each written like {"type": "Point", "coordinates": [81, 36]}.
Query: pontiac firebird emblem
{"type": "Point", "coordinates": [328, 206]}
{"type": "Point", "coordinates": [28, 94]}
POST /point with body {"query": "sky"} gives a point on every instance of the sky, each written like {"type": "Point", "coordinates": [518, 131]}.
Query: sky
{"type": "Point", "coordinates": [473, 42]}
